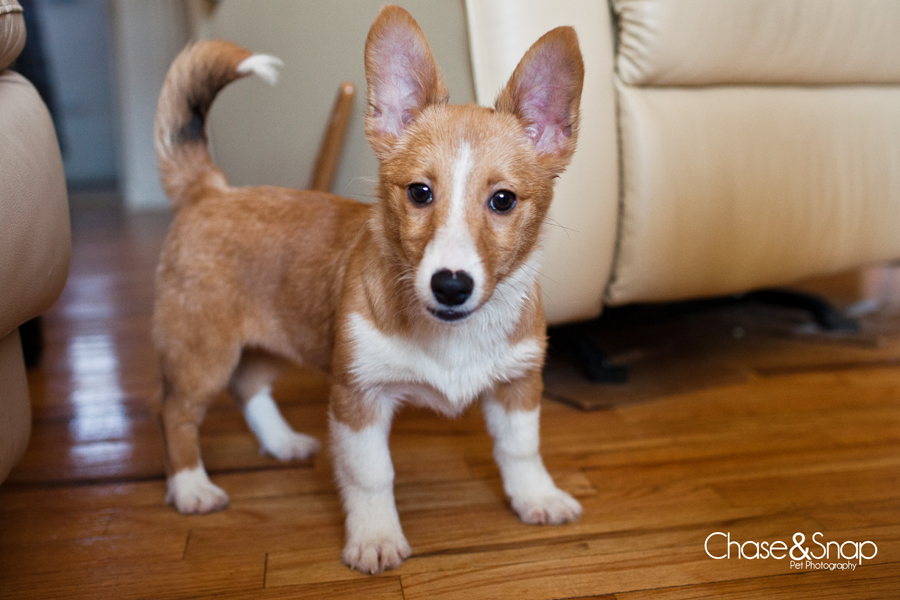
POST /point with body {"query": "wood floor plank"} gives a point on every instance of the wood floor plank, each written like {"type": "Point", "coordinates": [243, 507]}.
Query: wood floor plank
{"type": "Point", "coordinates": [857, 514]}
{"type": "Point", "coordinates": [571, 577]}
{"type": "Point", "coordinates": [875, 581]}
{"type": "Point", "coordinates": [82, 554]}
{"type": "Point", "coordinates": [140, 578]}
{"type": "Point", "coordinates": [277, 512]}
{"type": "Point", "coordinates": [839, 486]}
{"type": "Point", "coordinates": [706, 473]}
{"type": "Point", "coordinates": [293, 480]}
{"type": "Point", "coordinates": [384, 587]}
{"type": "Point", "coordinates": [28, 525]}
{"type": "Point", "coordinates": [566, 578]}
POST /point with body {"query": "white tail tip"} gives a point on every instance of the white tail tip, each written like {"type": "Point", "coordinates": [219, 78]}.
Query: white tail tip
{"type": "Point", "coordinates": [264, 65]}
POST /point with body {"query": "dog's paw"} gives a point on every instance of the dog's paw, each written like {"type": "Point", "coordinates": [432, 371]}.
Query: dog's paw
{"type": "Point", "coordinates": [553, 508]}
{"type": "Point", "coordinates": [294, 446]}
{"type": "Point", "coordinates": [192, 493]}
{"type": "Point", "coordinates": [376, 555]}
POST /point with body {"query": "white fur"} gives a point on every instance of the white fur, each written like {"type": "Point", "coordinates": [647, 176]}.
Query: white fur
{"type": "Point", "coordinates": [504, 309]}
{"type": "Point", "coordinates": [452, 365]}
{"type": "Point", "coordinates": [191, 491]}
{"type": "Point", "coordinates": [531, 490]}
{"type": "Point", "coordinates": [365, 475]}
{"type": "Point", "coordinates": [264, 65]}
{"type": "Point", "coordinates": [453, 247]}
{"type": "Point", "coordinates": [459, 365]}
{"type": "Point", "coordinates": [275, 435]}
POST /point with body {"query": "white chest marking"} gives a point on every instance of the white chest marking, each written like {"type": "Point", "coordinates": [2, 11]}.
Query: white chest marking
{"type": "Point", "coordinates": [458, 366]}
{"type": "Point", "coordinates": [459, 363]}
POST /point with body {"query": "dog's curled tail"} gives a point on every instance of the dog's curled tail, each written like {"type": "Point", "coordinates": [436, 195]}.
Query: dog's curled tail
{"type": "Point", "coordinates": [195, 77]}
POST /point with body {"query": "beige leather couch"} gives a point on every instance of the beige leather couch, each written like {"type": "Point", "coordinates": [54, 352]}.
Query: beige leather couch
{"type": "Point", "coordinates": [34, 229]}
{"type": "Point", "coordinates": [726, 145]}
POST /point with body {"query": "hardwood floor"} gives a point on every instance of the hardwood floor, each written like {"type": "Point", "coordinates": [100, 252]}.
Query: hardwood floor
{"type": "Point", "coordinates": [782, 453]}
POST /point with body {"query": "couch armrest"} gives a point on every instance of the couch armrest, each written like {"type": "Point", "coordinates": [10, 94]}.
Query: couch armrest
{"type": "Point", "coordinates": [581, 243]}
{"type": "Point", "coordinates": [34, 213]}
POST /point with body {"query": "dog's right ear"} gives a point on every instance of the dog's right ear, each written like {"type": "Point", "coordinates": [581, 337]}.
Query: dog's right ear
{"type": "Point", "coordinates": [402, 77]}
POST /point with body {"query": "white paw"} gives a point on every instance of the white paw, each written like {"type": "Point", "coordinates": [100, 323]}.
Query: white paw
{"type": "Point", "coordinates": [192, 493]}
{"type": "Point", "coordinates": [554, 508]}
{"type": "Point", "coordinates": [376, 555]}
{"type": "Point", "coordinates": [294, 446]}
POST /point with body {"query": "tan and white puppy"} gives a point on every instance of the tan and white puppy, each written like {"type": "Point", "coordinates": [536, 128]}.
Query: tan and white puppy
{"type": "Point", "coordinates": [427, 297]}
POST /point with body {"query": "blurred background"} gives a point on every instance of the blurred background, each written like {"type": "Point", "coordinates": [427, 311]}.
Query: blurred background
{"type": "Point", "coordinates": [100, 64]}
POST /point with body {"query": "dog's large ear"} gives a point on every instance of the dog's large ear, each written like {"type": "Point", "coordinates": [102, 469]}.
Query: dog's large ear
{"type": "Point", "coordinates": [544, 92]}
{"type": "Point", "coordinates": [401, 74]}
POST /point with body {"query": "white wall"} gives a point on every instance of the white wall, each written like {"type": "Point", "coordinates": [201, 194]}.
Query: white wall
{"type": "Point", "coordinates": [264, 135]}
{"type": "Point", "coordinates": [259, 134]}
{"type": "Point", "coordinates": [147, 35]}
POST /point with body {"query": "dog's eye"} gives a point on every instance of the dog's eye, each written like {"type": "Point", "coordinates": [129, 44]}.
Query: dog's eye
{"type": "Point", "coordinates": [502, 201]}
{"type": "Point", "coordinates": [420, 194]}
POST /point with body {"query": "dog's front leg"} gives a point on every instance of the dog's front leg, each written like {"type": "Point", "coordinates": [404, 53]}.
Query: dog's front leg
{"type": "Point", "coordinates": [512, 414]}
{"type": "Point", "coordinates": [365, 476]}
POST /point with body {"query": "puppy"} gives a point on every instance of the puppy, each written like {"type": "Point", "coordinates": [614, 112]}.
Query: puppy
{"type": "Point", "coordinates": [428, 297]}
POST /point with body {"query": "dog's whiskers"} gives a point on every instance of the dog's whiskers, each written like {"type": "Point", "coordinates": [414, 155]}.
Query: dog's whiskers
{"type": "Point", "coordinates": [555, 223]}
{"type": "Point", "coordinates": [538, 273]}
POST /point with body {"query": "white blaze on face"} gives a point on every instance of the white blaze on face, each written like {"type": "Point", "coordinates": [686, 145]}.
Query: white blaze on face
{"type": "Point", "coordinates": [453, 246]}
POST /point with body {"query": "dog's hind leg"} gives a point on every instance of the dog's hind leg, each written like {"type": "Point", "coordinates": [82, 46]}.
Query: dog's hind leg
{"type": "Point", "coordinates": [189, 487]}
{"type": "Point", "coordinates": [251, 387]}
{"type": "Point", "coordinates": [190, 383]}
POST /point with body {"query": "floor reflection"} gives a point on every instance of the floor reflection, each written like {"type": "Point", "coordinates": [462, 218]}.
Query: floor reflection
{"type": "Point", "coordinates": [90, 296]}
{"type": "Point", "coordinates": [96, 396]}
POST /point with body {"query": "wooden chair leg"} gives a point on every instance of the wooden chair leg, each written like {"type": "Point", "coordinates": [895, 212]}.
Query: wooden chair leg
{"type": "Point", "coordinates": [333, 139]}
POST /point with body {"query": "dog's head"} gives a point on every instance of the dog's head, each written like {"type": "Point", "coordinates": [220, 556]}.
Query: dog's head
{"type": "Point", "coordinates": [464, 190]}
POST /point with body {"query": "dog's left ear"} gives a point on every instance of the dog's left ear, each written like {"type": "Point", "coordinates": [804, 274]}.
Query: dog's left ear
{"type": "Point", "coordinates": [402, 77]}
{"type": "Point", "coordinates": [544, 92]}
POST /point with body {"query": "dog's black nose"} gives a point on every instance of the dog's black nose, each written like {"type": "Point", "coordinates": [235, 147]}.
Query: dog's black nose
{"type": "Point", "coordinates": [451, 288]}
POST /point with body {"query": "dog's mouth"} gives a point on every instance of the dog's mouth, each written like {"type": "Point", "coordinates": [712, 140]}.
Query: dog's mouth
{"type": "Point", "coordinates": [449, 315]}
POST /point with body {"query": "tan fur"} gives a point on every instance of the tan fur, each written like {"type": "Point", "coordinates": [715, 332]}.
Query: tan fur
{"type": "Point", "coordinates": [249, 277]}
{"type": "Point", "coordinates": [191, 84]}
{"type": "Point", "coordinates": [222, 255]}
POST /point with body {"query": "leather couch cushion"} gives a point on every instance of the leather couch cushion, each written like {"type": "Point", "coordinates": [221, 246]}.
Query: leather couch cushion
{"type": "Point", "coordinates": [733, 188]}
{"type": "Point", "coordinates": [12, 32]}
{"type": "Point", "coordinates": [581, 230]}
{"type": "Point", "coordinates": [34, 216]}
{"type": "Point", "coordinates": [707, 42]}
